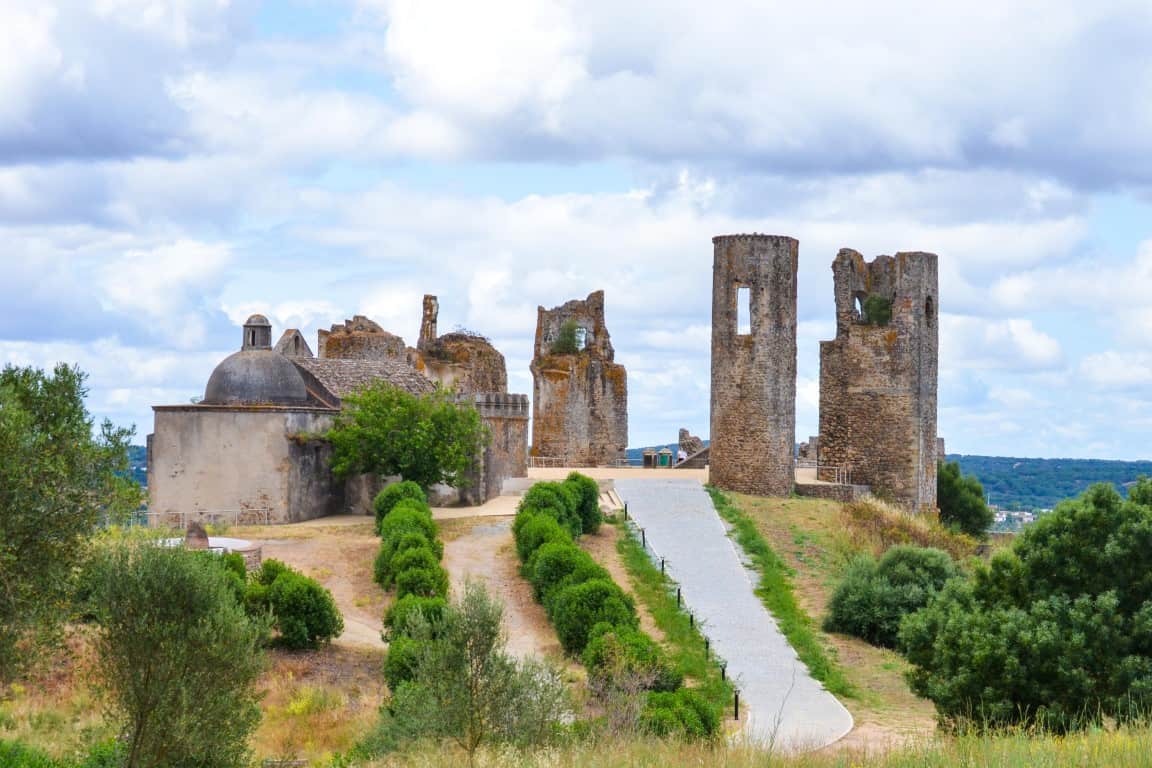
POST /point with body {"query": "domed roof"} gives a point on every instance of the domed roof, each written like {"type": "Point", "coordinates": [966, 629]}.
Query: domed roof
{"type": "Point", "coordinates": [257, 320]}
{"type": "Point", "coordinates": [255, 377]}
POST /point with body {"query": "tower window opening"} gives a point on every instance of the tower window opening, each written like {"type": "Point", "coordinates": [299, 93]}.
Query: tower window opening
{"type": "Point", "coordinates": [743, 311]}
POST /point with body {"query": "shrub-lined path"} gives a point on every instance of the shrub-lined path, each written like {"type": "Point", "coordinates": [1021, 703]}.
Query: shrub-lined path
{"type": "Point", "coordinates": [780, 702]}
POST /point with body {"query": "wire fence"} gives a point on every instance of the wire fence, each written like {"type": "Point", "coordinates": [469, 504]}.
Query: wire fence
{"type": "Point", "coordinates": [668, 571]}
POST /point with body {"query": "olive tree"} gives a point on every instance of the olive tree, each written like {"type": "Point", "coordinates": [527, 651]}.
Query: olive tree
{"type": "Point", "coordinates": [178, 656]}
{"type": "Point", "coordinates": [56, 482]}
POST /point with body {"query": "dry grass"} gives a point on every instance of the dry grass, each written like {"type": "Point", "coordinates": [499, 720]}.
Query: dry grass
{"type": "Point", "coordinates": [875, 527]}
{"type": "Point", "coordinates": [318, 703]}
{"type": "Point", "coordinates": [1123, 748]}
{"type": "Point", "coordinates": [815, 542]}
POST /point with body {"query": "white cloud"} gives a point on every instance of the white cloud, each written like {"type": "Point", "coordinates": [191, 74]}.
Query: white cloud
{"type": "Point", "coordinates": [1010, 344]}
{"type": "Point", "coordinates": [1113, 369]}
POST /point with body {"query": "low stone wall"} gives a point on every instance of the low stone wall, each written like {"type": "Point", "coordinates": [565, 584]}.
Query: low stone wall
{"type": "Point", "coordinates": [832, 491]}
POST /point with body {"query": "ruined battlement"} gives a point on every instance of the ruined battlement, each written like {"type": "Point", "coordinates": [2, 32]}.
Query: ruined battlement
{"type": "Point", "coordinates": [753, 366]}
{"type": "Point", "coordinates": [878, 376]}
{"type": "Point", "coordinates": [499, 404]}
{"type": "Point", "coordinates": [359, 339]}
{"type": "Point", "coordinates": [580, 402]}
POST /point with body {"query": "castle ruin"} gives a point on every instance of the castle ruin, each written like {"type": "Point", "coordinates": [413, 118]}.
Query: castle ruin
{"type": "Point", "coordinates": [580, 394]}
{"type": "Point", "coordinates": [878, 377]}
{"type": "Point", "coordinates": [753, 363]}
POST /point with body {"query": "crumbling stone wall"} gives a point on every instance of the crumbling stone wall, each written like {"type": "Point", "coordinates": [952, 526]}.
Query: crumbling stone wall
{"type": "Point", "coordinates": [878, 380]}
{"type": "Point", "coordinates": [461, 359]}
{"type": "Point", "coordinates": [689, 443]}
{"type": "Point", "coordinates": [359, 339]}
{"type": "Point", "coordinates": [580, 399]}
{"type": "Point", "coordinates": [754, 373]}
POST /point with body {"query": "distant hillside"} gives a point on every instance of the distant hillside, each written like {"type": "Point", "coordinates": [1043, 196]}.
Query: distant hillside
{"type": "Point", "coordinates": [138, 462]}
{"type": "Point", "coordinates": [1014, 483]}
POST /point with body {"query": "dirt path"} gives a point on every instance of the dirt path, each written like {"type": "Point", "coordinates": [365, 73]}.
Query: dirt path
{"type": "Point", "coordinates": [340, 558]}
{"type": "Point", "coordinates": [483, 550]}
{"type": "Point", "coordinates": [602, 546]}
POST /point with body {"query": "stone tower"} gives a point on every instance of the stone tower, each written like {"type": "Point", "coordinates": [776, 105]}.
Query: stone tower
{"type": "Point", "coordinates": [878, 377]}
{"type": "Point", "coordinates": [754, 366]}
{"type": "Point", "coordinates": [580, 394]}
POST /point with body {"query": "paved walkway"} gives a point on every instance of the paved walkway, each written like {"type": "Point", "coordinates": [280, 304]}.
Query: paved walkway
{"type": "Point", "coordinates": [784, 706]}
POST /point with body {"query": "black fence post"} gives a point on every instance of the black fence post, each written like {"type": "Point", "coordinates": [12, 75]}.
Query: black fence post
{"type": "Point", "coordinates": [724, 671]}
{"type": "Point", "coordinates": [707, 645]}
{"type": "Point", "coordinates": [677, 597]}
{"type": "Point", "coordinates": [643, 539]}
{"type": "Point", "coordinates": [736, 704]}
{"type": "Point", "coordinates": [661, 565]}
{"type": "Point", "coordinates": [691, 620]}
{"type": "Point", "coordinates": [625, 510]}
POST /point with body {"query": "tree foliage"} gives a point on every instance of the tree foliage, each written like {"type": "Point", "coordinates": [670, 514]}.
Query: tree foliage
{"type": "Point", "coordinates": [427, 439]}
{"type": "Point", "coordinates": [961, 501]}
{"type": "Point", "coordinates": [56, 482]}
{"type": "Point", "coordinates": [567, 342]}
{"type": "Point", "coordinates": [465, 687]}
{"type": "Point", "coordinates": [873, 597]}
{"type": "Point", "coordinates": [178, 657]}
{"type": "Point", "coordinates": [1057, 632]}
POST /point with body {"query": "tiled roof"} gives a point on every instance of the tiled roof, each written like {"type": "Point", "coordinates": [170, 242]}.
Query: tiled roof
{"type": "Point", "coordinates": [343, 377]}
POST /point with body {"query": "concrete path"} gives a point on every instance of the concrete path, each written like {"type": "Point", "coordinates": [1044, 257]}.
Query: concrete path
{"type": "Point", "coordinates": [785, 708]}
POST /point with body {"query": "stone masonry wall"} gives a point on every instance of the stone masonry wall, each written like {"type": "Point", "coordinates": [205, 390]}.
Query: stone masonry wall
{"type": "Point", "coordinates": [506, 454]}
{"type": "Point", "coordinates": [462, 360]}
{"type": "Point", "coordinates": [878, 382]}
{"type": "Point", "coordinates": [754, 374]}
{"type": "Point", "coordinates": [359, 339]}
{"type": "Point", "coordinates": [580, 400]}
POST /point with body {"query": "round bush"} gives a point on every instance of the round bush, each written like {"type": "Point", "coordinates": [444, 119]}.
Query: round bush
{"type": "Point", "coordinates": [397, 618]}
{"type": "Point", "coordinates": [270, 570]}
{"type": "Point", "coordinates": [558, 501]}
{"type": "Point", "coordinates": [587, 492]}
{"type": "Point", "coordinates": [406, 519]}
{"type": "Point", "coordinates": [395, 493]}
{"type": "Point", "coordinates": [538, 531]}
{"type": "Point", "coordinates": [402, 661]}
{"type": "Point", "coordinates": [558, 564]}
{"type": "Point", "coordinates": [874, 597]}
{"type": "Point", "coordinates": [623, 650]}
{"type": "Point", "coordinates": [575, 609]}
{"type": "Point", "coordinates": [423, 582]}
{"type": "Point", "coordinates": [304, 611]}
{"type": "Point", "coordinates": [417, 557]}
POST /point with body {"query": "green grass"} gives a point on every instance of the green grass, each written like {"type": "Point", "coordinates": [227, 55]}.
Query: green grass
{"type": "Point", "coordinates": [776, 592]}
{"type": "Point", "coordinates": [685, 643]}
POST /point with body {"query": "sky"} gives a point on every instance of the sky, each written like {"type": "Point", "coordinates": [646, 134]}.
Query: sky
{"type": "Point", "coordinates": [169, 167]}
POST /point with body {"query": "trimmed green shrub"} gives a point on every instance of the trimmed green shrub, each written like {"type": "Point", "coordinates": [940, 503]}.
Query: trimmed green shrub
{"type": "Point", "coordinates": [684, 713]}
{"type": "Point", "coordinates": [587, 492]}
{"type": "Point", "coordinates": [422, 582]}
{"type": "Point", "coordinates": [558, 501]}
{"type": "Point", "coordinates": [538, 531]}
{"type": "Point", "coordinates": [406, 517]}
{"type": "Point", "coordinates": [402, 661]}
{"type": "Point", "coordinates": [613, 651]}
{"type": "Point", "coordinates": [558, 564]}
{"type": "Point", "coordinates": [416, 557]}
{"type": "Point", "coordinates": [384, 569]}
{"type": "Point", "coordinates": [270, 569]}
{"type": "Point", "coordinates": [394, 494]}
{"type": "Point", "coordinates": [575, 609]}
{"type": "Point", "coordinates": [874, 597]}
{"type": "Point", "coordinates": [304, 611]}
{"type": "Point", "coordinates": [398, 615]}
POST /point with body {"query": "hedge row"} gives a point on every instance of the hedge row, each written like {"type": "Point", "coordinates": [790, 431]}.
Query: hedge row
{"type": "Point", "coordinates": [410, 550]}
{"type": "Point", "coordinates": [594, 618]}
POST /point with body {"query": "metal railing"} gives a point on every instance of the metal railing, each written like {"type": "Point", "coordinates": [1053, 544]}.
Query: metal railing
{"type": "Point", "coordinates": [249, 516]}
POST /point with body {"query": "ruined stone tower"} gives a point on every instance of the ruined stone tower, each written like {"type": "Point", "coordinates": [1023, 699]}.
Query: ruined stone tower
{"type": "Point", "coordinates": [580, 394]}
{"type": "Point", "coordinates": [878, 377]}
{"type": "Point", "coordinates": [462, 360]}
{"type": "Point", "coordinates": [754, 363]}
